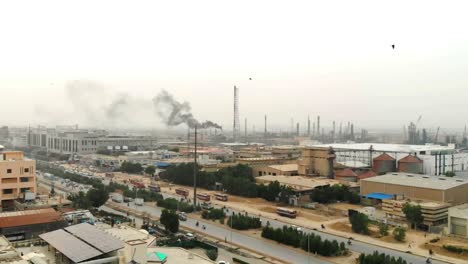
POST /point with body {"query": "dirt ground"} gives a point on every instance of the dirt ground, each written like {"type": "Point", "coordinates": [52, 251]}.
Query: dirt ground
{"type": "Point", "coordinates": [438, 247]}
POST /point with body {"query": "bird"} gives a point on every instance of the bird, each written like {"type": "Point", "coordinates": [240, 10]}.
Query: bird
{"type": "Point", "coordinates": [393, 46]}
{"type": "Point", "coordinates": [250, 78]}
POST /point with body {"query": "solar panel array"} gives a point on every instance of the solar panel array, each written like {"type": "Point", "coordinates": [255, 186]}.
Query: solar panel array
{"type": "Point", "coordinates": [70, 246]}
{"type": "Point", "coordinates": [95, 237]}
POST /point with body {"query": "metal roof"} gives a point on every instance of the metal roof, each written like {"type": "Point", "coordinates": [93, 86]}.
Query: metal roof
{"type": "Point", "coordinates": [70, 246]}
{"type": "Point", "coordinates": [388, 147]}
{"type": "Point", "coordinates": [380, 196]}
{"type": "Point", "coordinates": [95, 237]}
{"type": "Point", "coordinates": [418, 180]}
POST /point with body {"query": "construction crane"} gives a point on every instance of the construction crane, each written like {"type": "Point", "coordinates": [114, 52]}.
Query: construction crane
{"type": "Point", "coordinates": [437, 135]}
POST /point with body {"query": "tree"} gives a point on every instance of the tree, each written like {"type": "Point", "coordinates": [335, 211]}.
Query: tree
{"type": "Point", "coordinates": [383, 229]}
{"type": "Point", "coordinates": [97, 197]}
{"type": "Point", "coordinates": [359, 223]}
{"type": "Point", "coordinates": [150, 170]}
{"type": "Point", "coordinates": [399, 233]}
{"type": "Point", "coordinates": [413, 214]}
{"type": "Point", "coordinates": [80, 201]}
{"type": "Point", "coordinates": [170, 220]}
{"type": "Point", "coordinates": [130, 167]}
{"type": "Point", "coordinates": [449, 174]}
{"type": "Point", "coordinates": [212, 254]}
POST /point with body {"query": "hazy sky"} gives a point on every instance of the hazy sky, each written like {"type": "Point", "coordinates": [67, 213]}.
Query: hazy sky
{"type": "Point", "coordinates": [332, 58]}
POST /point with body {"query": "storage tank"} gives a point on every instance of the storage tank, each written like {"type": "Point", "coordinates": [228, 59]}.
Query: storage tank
{"type": "Point", "coordinates": [410, 164]}
{"type": "Point", "coordinates": [383, 164]}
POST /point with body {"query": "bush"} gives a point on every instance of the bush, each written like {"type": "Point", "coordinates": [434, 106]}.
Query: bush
{"type": "Point", "coordinates": [379, 258]}
{"type": "Point", "coordinates": [213, 214]}
{"type": "Point", "coordinates": [455, 249]}
{"type": "Point", "coordinates": [170, 220]}
{"type": "Point", "coordinates": [243, 222]}
{"type": "Point", "coordinates": [359, 223]}
{"type": "Point", "coordinates": [383, 229]}
{"type": "Point", "coordinates": [434, 240]}
{"type": "Point", "coordinates": [307, 242]}
{"type": "Point", "coordinates": [239, 261]}
{"type": "Point", "coordinates": [331, 194]}
{"type": "Point", "coordinates": [173, 204]}
{"type": "Point", "coordinates": [399, 233]}
{"type": "Point", "coordinates": [212, 254]}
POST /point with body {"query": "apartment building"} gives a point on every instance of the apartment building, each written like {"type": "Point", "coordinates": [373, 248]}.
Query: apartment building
{"type": "Point", "coordinates": [18, 175]}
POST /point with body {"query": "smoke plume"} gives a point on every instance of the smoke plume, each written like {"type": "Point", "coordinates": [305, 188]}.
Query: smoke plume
{"type": "Point", "coordinates": [175, 113]}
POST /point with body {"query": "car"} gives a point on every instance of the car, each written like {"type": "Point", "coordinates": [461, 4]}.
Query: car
{"type": "Point", "coordinates": [222, 262]}
{"type": "Point", "coordinates": [182, 217]}
{"type": "Point", "coordinates": [190, 236]}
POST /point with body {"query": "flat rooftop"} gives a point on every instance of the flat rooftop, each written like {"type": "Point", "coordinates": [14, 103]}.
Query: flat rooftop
{"type": "Point", "coordinates": [418, 180]}
{"type": "Point", "coordinates": [300, 183]}
{"type": "Point", "coordinates": [178, 255]}
{"type": "Point", "coordinates": [285, 167]}
{"type": "Point", "coordinates": [388, 147]}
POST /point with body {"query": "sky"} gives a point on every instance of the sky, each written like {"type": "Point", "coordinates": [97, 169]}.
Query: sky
{"type": "Point", "coordinates": [64, 62]}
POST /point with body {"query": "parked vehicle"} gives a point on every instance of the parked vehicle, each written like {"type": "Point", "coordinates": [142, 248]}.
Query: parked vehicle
{"type": "Point", "coordinates": [139, 201]}
{"type": "Point", "coordinates": [182, 217]}
{"type": "Point", "coordinates": [206, 206]}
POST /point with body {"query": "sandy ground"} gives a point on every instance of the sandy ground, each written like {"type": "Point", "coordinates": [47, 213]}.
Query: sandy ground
{"type": "Point", "coordinates": [437, 247]}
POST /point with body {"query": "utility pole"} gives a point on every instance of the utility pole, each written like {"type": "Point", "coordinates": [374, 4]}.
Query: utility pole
{"type": "Point", "coordinates": [195, 168]}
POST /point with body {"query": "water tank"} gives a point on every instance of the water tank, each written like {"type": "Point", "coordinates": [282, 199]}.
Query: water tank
{"type": "Point", "coordinates": [383, 164]}
{"type": "Point", "coordinates": [410, 164]}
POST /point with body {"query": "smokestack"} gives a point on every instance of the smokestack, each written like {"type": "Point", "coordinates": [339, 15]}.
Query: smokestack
{"type": "Point", "coordinates": [318, 125]}
{"type": "Point", "coordinates": [313, 129]}
{"type": "Point", "coordinates": [265, 125]}
{"type": "Point", "coordinates": [245, 127]}
{"type": "Point", "coordinates": [297, 128]}
{"type": "Point", "coordinates": [195, 168]}
{"type": "Point", "coordinates": [308, 126]}
{"type": "Point", "coordinates": [341, 131]}
{"type": "Point", "coordinates": [333, 133]}
{"type": "Point", "coordinates": [352, 131]}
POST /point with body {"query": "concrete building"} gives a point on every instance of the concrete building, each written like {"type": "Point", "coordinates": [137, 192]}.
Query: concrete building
{"type": "Point", "coordinates": [279, 169]}
{"type": "Point", "coordinates": [458, 220]}
{"type": "Point", "coordinates": [434, 213]}
{"type": "Point", "coordinates": [18, 176]}
{"type": "Point", "coordinates": [436, 159]}
{"type": "Point", "coordinates": [316, 161]}
{"type": "Point", "coordinates": [453, 190]}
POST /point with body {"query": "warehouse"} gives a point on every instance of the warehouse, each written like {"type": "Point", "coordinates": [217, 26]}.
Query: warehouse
{"type": "Point", "coordinates": [278, 169]}
{"type": "Point", "coordinates": [453, 190]}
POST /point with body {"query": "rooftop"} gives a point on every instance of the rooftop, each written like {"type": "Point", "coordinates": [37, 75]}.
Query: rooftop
{"type": "Point", "coordinates": [285, 167]}
{"type": "Point", "coordinates": [125, 233]}
{"type": "Point", "coordinates": [299, 183]}
{"type": "Point", "coordinates": [29, 217]}
{"type": "Point", "coordinates": [367, 174]}
{"type": "Point", "coordinates": [177, 255]}
{"type": "Point", "coordinates": [418, 180]}
{"type": "Point", "coordinates": [345, 173]}
{"type": "Point", "coordinates": [388, 147]}
{"type": "Point", "coordinates": [410, 159]}
{"type": "Point", "coordinates": [384, 156]}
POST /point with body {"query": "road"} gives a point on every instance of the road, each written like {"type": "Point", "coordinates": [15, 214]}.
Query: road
{"type": "Point", "coordinates": [271, 249]}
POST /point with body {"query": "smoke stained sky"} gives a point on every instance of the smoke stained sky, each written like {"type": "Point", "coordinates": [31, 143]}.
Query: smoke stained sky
{"type": "Point", "coordinates": [332, 58]}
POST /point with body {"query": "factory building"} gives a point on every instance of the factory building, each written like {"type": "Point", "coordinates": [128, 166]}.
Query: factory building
{"type": "Point", "coordinates": [384, 163]}
{"type": "Point", "coordinates": [436, 159]}
{"type": "Point", "coordinates": [450, 190]}
{"type": "Point", "coordinates": [17, 175]}
{"type": "Point", "coordinates": [316, 161]}
{"type": "Point", "coordinates": [458, 220]}
{"type": "Point", "coordinates": [275, 170]}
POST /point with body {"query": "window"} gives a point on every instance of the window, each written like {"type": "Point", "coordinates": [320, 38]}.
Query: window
{"type": "Point", "coordinates": [24, 179]}
{"type": "Point", "coordinates": [26, 170]}
{"type": "Point", "coordinates": [23, 190]}
{"type": "Point", "coordinates": [8, 171]}
{"type": "Point", "coordinates": [7, 191]}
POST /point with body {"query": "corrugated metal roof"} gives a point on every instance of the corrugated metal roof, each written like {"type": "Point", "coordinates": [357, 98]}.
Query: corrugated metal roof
{"type": "Point", "coordinates": [388, 147]}
{"type": "Point", "coordinates": [384, 156]}
{"type": "Point", "coordinates": [418, 180]}
{"type": "Point", "coordinates": [411, 159]}
{"type": "Point", "coordinates": [367, 174]}
{"type": "Point", "coordinates": [95, 237]}
{"type": "Point", "coordinates": [70, 246]}
{"type": "Point", "coordinates": [380, 196]}
{"type": "Point", "coordinates": [29, 217]}
{"type": "Point", "coordinates": [345, 173]}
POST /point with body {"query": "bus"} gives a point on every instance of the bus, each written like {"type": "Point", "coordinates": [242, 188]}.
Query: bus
{"type": "Point", "coordinates": [221, 197]}
{"type": "Point", "coordinates": [183, 192]}
{"type": "Point", "coordinates": [286, 212]}
{"type": "Point", "coordinates": [154, 188]}
{"type": "Point", "coordinates": [204, 197]}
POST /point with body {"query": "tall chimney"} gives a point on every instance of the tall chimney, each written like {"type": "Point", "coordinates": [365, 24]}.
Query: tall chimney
{"type": "Point", "coordinates": [265, 125]}
{"type": "Point", "coordinates": [308, 126]}
{"type": "Point", "coordinates": [318, 125]}
{"type": "Point", "coordinates": [297, 128]}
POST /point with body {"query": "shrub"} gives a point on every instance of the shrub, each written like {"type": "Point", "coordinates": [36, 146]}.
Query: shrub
{"type": "Point", "coordinates": [379, 258]}
{"type": "Point", "coordinates": [455, 249]}
{"type": "Point", "coordinates": [434, 240]}
{"type": "Point", "coordinates": [359, 223]}
{"type": "Point", "coordinates": [243, 222]}
{"type": "Point", "coordinates": [399, 233]}
{"type": "Point", "coordinates": [213, 214]}
{"type": "Point", "coordinates": [212, 254]}
{"type": "Point", "coordinates": [383, 229]}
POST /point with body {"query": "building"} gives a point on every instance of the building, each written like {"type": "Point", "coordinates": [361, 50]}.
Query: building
{"type": "Point", "coordinates": [451, 190]}
{"type": "Point", "coordinates": [23, 225]}
{"type": "Point", "coordinates": [346, 175]}
{"type": "Point", "coordinates": [18, 176]}
{"type": "Point", "coordinates": [316, 161]}
{"type": "Point", "coordinates": [9, 254]}
{"type": "Point", "coordinates": [384, 163]}
{"type": "Point", "coordinates": [367, 174]}
{"type": "Point", "coordinates": [301, 184]}
{"type": "Point", "coordinates": [437, 159]}
{"type": "Point", "coordinates": [458, 220]}
{"type": "Point", "coordinates": [434, 213]}
{"type": "Point", "coordinates": [82, 242]}
{"type": "Point", "coordinates": [279, 169]}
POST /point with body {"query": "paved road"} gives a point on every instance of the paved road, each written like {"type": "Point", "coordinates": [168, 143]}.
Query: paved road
{"type": "Point", "coordinates": [259, 245]}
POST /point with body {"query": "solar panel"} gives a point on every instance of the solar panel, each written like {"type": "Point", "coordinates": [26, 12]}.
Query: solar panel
{"type": "Point", "coordinates": [70, 246]}
{"type": "Point", "coordinates": [95, 237]}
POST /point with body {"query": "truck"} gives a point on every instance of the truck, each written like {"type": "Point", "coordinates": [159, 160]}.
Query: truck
{"type": "Point", "coordinates": [139, 201]}
{"type": "Point", "coordinates": [182, 192]}
{"type": "Point", "coordinates": [154, 188]}
{"type": "Point", "coordinates": [137, 184]}
{"type": "Point", "coordinates": [117, 197]}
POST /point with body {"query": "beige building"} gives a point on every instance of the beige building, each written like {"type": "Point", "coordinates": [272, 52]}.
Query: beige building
{"type": "Point", "coordinates": [18, 175]}
{"type": "Point", "coordinates": [434, 213]}
{"type": "Point", "coordinates": [274, 170]}
{"type": "Point", "coordinates": [316, 161]}
{"type": "Point", "coordinates": [449, 190]}
{"type": "Point", "coordinates": [458, 220]}
{"type": "Point", "coordinates": [302, 184]}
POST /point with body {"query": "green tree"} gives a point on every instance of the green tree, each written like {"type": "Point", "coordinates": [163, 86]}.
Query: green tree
{"type": "Point", "coordinates": [450, 174]}
{"type": "Point", "coordinates": [399, 233]}
{"type": "Point", "coordinates": [130, 167]}
{"type": "Point", "coordinates": [150, 170]}
{"type": "Point", "coordinates": [359, 223]}
{"type": "Point", "coordinates": [79, 200]}
{"type": "Point", "coordinates": [97, 197]}
{"type": "Point", "coordinates": [413, 214]}
{"type": "Point", "coordinates": [212, 254]}
{"type": "Point", "coordinates": [170, 220]}
{"type": "Point", "coordinates": [383, 229]}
